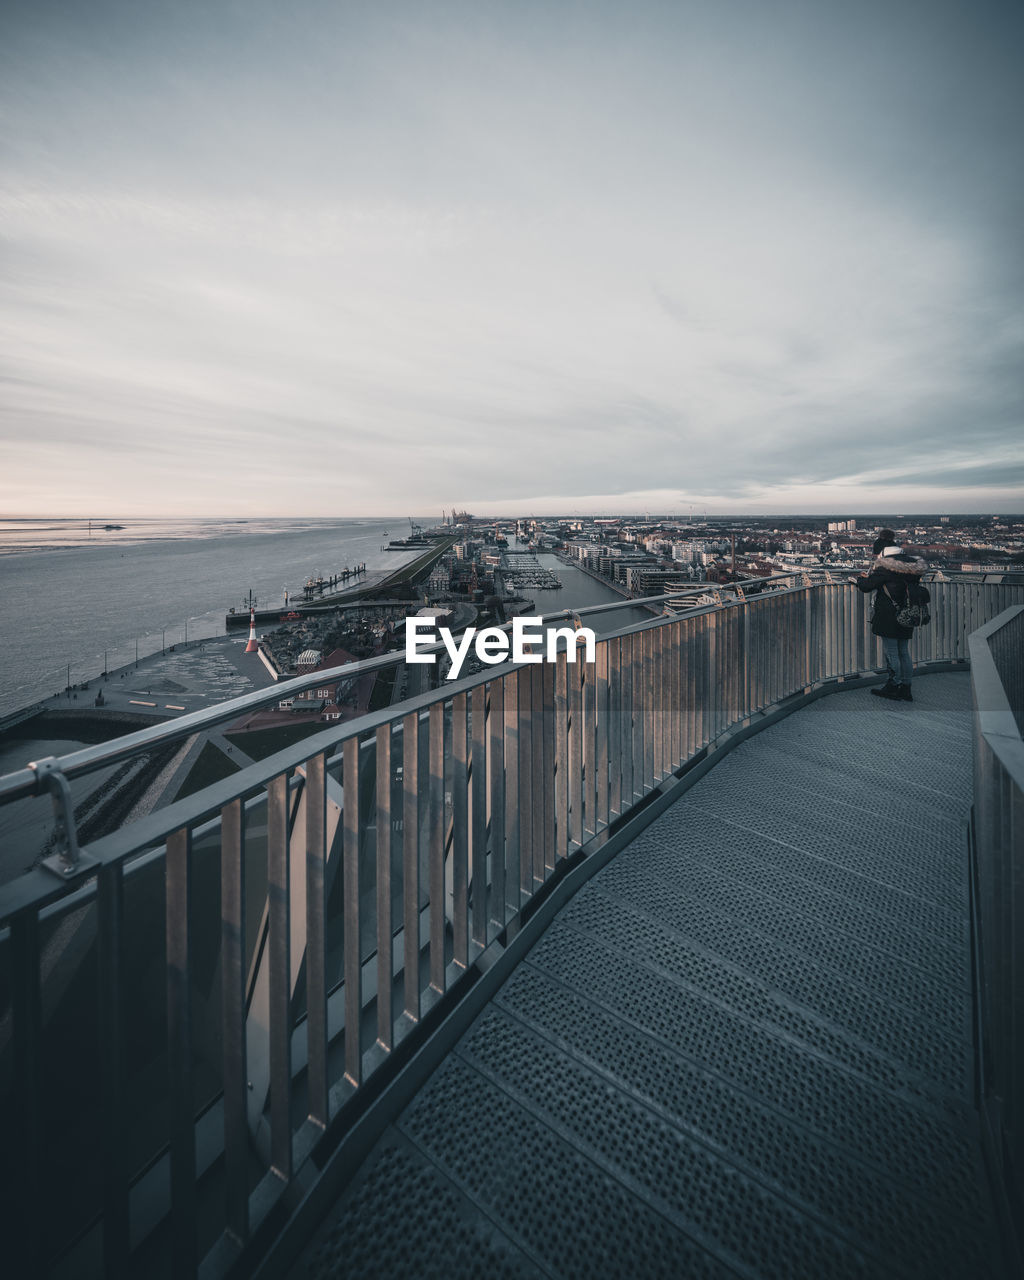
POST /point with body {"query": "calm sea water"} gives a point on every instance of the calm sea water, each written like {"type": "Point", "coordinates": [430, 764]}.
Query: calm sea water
{"type": "Point", "coordinates": [68, 595]}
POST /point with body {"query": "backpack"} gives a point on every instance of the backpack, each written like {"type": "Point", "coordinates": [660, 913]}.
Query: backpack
{"type": "Point", "coordinates": [913, 612]}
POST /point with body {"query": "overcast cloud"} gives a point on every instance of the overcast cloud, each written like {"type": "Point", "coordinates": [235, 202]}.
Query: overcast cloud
{"type": "Point", "coordinates": [362, 258]}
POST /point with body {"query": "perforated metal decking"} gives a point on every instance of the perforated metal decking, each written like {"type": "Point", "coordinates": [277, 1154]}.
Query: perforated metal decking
{"type": "Point", "coordinates": [743, 1049]}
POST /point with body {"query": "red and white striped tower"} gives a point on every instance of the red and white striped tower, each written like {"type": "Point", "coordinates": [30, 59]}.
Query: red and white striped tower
{"type": "Point", "coordinates": [252, 646]}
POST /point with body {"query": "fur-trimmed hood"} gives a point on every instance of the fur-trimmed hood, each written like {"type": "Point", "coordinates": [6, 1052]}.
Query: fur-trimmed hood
{"type": "Point", "coordinates": [904, 563]}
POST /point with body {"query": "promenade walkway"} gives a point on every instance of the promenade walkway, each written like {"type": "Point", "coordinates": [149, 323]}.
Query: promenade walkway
{"type": "Point", "coordinates": [743, 1049]}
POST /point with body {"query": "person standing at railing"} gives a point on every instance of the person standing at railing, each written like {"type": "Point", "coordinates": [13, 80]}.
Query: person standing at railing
{"type": "Point", "coordinates": [892, 575]}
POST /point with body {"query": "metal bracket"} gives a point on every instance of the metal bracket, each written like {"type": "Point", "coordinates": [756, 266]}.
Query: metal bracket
{"type": "Point", "coordinates": [69, 860]}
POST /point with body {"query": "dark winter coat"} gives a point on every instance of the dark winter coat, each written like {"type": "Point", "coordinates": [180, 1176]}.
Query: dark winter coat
{"type": "Point", "coordinates": [890, 579]}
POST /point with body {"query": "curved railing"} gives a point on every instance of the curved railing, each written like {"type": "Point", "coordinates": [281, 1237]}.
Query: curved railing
{"type": "Point", "coordinates": [997, 828]}
{"type": "Point", "coordinates": [238, 971]}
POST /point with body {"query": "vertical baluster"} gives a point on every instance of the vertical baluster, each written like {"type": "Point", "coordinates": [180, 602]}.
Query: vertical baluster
{"type": "Point", "coordinates": [687, 660]}
{"type": "Point", "coordinates": [661, 679]}
{"type": "Point", "coordinates": [736, 614]}
{"type": "Point", "coordinates": [278, 896]}
{"type": "Point", "coordinates": [513, 790]}
{"type": "Point", "coordinates": [650, 670]}
{"type": "Point", "coordinates": [589, 733]}
{"type": "Point", "coordinates": [478, 816]}
{"type": "Point", "coordinates": [316, 946]}
{"type": "Point", "coordinates": [640, 711]}
{"type": "Point", "coordinates": [702, 681]}
{"type": "Point", "coordinates": [26, 1252]}
{"type": "Point", "coordinates": [233, 973]}
{"type": "Point", "coordinates": [528, 802]}
{"type": "Point", "coordinates": [625, 731]}
{"type": "Point", "coordinates": [612, 662]}
{"type": "Point", "coordinates": [642, 707]}
{"type": "Point", "coordinates": [385, 965]}
{"type": "Point", "coordinates": [110, 947]}
{"type": "Point", "coordinates": [540, 788]}
{"type": "Point", "coordinates": [712, 678]}
{"type": "Point", "coordinates": [600, 789]}
{"type": "Point", "coordinates": [675, 698]}
{"type": "Point", "coordinates": [411, 862]}
{"type": "Point", "coordinates": [179, 1054]}
{"type": "Point", "coordinates": [351, 830]}
{"type": "Point", "coordinates": [548, 720]}
{"type": "Point", "coordinates": [496, 800]}
{"type": "Point", "coordinates": [435, 747]}
{"type": "Point", "coordinates": [576, 677]}
{"type": "Point", "coordinates": [460, 834]}
{"type": "Point", "coordinates": [707, 678]}
{"type": "Point", "coordinates": [561, 729]}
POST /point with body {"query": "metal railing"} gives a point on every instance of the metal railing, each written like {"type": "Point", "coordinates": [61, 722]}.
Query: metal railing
{"type": "Point", "coordinates": [251, 958]}
{"type": "Point", "coordinates": [997, 677]}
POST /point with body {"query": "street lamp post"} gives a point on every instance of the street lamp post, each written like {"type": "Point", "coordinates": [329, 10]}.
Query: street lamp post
{"type": "Point", "coordinates": [163, 644]}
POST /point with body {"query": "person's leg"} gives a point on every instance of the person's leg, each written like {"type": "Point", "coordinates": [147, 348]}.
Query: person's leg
{"type": "Point", "coordinates": [890, 651]}
{"type": "Point", "coordinates": [891, 654]}
{"type": "Point", "coordinates": [906, 670]}
{"type": "Point", "coordinates": [906, 663]}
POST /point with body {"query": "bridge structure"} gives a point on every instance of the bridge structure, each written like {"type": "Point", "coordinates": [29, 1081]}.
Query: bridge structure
{"type": "Point", "coordinates": [669, 964]}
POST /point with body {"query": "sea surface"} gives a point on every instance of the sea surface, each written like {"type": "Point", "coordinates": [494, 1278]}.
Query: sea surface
{"type": "Point", "coordinates": [75, 600]}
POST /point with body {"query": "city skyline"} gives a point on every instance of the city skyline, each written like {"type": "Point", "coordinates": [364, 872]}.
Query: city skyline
{"type": "Point", "coordinates": [542, 258]}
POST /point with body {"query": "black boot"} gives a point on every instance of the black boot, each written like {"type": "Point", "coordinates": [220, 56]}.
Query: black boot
{"type": "Point", "coordinates": [888, 690]}
{"type": "Point", "coordinates": [903, 693]}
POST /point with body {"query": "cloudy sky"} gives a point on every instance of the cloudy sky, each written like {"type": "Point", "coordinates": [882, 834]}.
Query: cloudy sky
{"type": "Point", "coordinates": [375, 257]}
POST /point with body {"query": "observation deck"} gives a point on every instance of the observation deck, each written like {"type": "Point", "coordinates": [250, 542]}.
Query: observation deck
{"type": "Point", "coordinates": [744, 1047]}
{"type": "Point", "coordinates": [686, 962]}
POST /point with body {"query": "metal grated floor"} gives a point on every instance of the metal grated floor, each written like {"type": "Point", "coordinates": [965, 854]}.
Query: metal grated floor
{"type": "Point", "coordinates": [743, 1049]}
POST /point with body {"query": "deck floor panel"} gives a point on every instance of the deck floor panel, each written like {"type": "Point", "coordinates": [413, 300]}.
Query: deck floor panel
{"type": "Point", "coordinates": [742, 1049]}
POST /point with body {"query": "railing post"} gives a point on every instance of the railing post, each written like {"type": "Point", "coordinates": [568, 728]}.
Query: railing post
{"type": "Point", "coordinates": [515, 875]}
{"type": "Point", "coordinates": [600, 788]}
{"type": "Point", "coordinates": [28, 1148]}
{"type": "Point", "coordinates": [540, 788]}
{"type": "Point", "coordinates": [279, 895]}
{"type": "Point", "coordinates": [436, 845]}
{"type": "Point", "coordinates": [352, 831]}
{"type": "Point", "coordinates": [110, 955]}
{"type": "Point", "coordinates": [318, 1106]}
{"type": "Point", "coordinates": [478, 816]}
{"type": "Point", "coordinates": [610, 665]}
{"type": "Point", "coordinates": [236, 1125]}
{"type": "Point", "coordinates": [385, 965]}
{"type": "Point", "coordinates": [179, 1055]}
{"type": "Point", "coordinates": [411, 775]}
{"type": "Point", "coordinates": [561, 762]}
{"type": "Point", "coordinates": [460, 832]}
{"type": "Point", "coordinates": [496, 801]}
